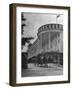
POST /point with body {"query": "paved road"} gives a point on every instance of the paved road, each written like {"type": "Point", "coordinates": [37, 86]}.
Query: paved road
{"type": "Point", "coordinates": [52, 70]}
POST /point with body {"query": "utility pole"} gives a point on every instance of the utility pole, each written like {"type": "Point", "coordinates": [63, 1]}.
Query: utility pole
{"type": "Point", "coordinates": [23, 24]}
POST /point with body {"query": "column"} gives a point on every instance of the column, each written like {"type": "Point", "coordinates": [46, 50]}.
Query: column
{"type": "Point", "coordinates": [58, 60]}
{"type": "Point", "coordinates": [44, 42]}
{"type": "Point", "coordinates": [40, 43]}
{"type": "Point", "coordinates": [58, 44]}
{"type": "Point", "coordinates": [49, 41]}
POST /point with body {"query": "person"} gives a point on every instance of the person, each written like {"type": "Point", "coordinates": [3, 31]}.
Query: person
{"type": "Point", "coordinates": [45, 61]}
{"type": "Point", "coordinates": [36, 61]}
{"type": "Point", "coordinates": [41, 60]}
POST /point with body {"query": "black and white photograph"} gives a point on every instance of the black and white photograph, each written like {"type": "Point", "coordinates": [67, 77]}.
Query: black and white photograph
{"type": "Point", "coordinates": [40, 52]}
{"type": "Point", "coordinates": [41, 44]}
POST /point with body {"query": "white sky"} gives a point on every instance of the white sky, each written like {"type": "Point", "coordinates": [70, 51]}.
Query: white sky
{"type": "Point", "coordinates": [35, 20]}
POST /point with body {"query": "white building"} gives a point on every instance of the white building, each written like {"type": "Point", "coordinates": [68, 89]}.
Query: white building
{"type": "Point", "coordinates": [50, 39]}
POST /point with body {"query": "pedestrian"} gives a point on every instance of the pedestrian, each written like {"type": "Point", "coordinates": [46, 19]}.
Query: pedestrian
{"type": "Point", "coordinates": [41, 60]}
{"type": "Point", "coordinates": [45, 61]}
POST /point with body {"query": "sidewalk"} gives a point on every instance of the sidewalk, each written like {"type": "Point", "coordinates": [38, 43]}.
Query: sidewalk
{"type": "Point", "coordinates": [42, 71]}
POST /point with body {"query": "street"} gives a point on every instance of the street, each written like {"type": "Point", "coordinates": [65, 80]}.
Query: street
{"type": "Point", "coordinates": [52, 70]}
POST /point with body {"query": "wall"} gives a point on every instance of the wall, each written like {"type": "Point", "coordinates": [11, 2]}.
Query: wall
{"type": "Point", "coordinates": [4, 45]}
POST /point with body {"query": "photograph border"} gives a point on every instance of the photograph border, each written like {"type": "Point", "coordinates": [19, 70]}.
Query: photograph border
{"type": "Point", "coordinates": [12, 43]}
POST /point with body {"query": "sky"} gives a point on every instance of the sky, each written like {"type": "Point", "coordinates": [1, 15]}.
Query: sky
{"type": "Point", "coordinates": [36, 20]}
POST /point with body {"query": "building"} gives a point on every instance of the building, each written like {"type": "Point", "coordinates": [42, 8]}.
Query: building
{"type": "Point", "coordinates": [49, 41]}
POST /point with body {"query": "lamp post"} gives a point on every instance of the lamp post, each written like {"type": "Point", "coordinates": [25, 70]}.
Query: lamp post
{"type": "Point", "coordinates": [57, 16]}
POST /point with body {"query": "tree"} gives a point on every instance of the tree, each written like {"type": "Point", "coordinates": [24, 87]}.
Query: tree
{"type": "Point", "coordinates": [26, 40]}
{"type": "Point", "coordinates": [30, 44]}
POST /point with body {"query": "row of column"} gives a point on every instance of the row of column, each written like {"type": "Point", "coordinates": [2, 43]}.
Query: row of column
{"type": "Point", "coordinates": [49, 40]}
{"type": "Point", "coordinates": [47, 36]}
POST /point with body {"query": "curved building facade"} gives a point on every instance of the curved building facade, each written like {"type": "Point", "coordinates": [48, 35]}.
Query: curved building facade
{"type": "Point", "coordinates": [50, 40]}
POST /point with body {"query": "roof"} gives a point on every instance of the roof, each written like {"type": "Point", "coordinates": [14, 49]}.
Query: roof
{"type": "Point", "coordinates": [52, 26]}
